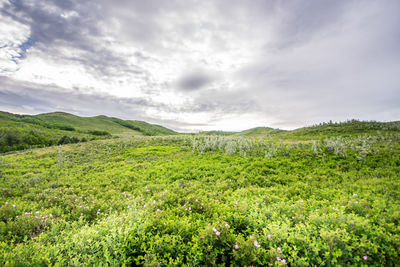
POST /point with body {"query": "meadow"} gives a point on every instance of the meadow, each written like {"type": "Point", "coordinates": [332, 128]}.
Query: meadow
{"type": "Point", "coordinates": [306, 198]}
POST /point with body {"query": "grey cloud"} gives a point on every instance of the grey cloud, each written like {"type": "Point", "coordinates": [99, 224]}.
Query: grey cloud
{"type": "Point", "coordinates": [50, 31]}
{"type": "Point", "coordinates": [194, 81]}
{"type": "Point", "coordinates": [309, 60]}
{"type": "Point", "coordinates": [26, 97]}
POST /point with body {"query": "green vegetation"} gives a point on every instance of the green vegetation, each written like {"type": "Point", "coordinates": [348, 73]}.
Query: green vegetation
{"type": "Point", "coordinates": [299, 198]}
{"type": "Point", "coordinates": [18, 132]}
{"type": "Point", "coordinates": [260, 131]}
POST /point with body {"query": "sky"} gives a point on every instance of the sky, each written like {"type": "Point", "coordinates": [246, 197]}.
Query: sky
{"type": "Point", "coordinates": [203, 65]}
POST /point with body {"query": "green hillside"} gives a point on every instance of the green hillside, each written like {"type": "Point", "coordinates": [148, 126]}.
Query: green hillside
{"type": "Point", "coordinates": [104, 123]}
{"type": "Point", "coordinates": [260, 132]}
{"type": "Point", "coordinates": [344, 129]}
{"type": "Point", "coordinates": [25, 131]}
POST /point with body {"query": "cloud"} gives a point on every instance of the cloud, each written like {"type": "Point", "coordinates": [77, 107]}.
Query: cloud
{"type": "Point", "coordinates": [31, 98]}
{"type": "Point", "coordinates": [201, 64]}
{"type": "Point", "coordinates": [194, 80]}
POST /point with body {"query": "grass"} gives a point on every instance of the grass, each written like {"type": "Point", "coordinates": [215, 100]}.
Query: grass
{"type": "Point", "coordinates": [205, 200]}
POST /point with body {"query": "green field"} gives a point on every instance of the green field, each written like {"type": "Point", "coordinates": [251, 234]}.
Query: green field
{"type": "Point", "coordinates": [327, 195]}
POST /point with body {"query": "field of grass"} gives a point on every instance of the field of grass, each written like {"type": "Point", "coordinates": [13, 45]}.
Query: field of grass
{"type": "Point", "coordinates": [205, 200]}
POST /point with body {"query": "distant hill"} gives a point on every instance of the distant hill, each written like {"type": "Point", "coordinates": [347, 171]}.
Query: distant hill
{"type": "Point", "coordinates": [28, 131]}
{"type": "Point", "coordinates": [348, 128]}
{"type": "Point", "coordinates": [260, 132]}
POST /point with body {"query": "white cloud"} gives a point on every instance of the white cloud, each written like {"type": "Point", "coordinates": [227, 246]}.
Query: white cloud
{"type": "Point", "coordinates": [226, 64]}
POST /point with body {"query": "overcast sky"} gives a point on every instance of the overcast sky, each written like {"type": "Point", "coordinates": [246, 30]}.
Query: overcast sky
{"type": "Point", "coordinates": [202, 65]}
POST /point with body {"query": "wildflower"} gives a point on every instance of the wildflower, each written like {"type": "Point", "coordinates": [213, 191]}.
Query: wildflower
{"type": "Point", "coordinates": [269, 236]}
{"type": "Point", "coordinates": [98, 211]}
{"type": "Point", "coordinates": [356, 202]}
{"type": "Point", "coordinates": [13, 205]}
{"type": "Point", "coordinates": [154, 202]}
{"type": "Point", "coordinates": [6, 203]}
{"type": "Point", "coordinates": [278, 259]}
{"type": "Point", "coordinates": [37, 212]}
{"type": "Point", "coordinates": [354, 195]}
{"type": "Point", "coordinates": [236, 247]}
{"type": "Point", "coordinates": [144, 206]}
{"type": "Point", "coordinates": [201, 207]}
{"type": "Point", "coordinates": [190, 208]}
{"type": "Point", "coordinates": [365, 258]}
{"type": "Point", "coordinates": [158, 210]}
{"type": "Point", "coordinates": [236, 203]}
{"type": "Point", "coordinates": [214, 229]}
{"type": "Point", "coordinates": [278, 248]}
{"type": "Point", "coordinates": [51, 215]}
{"type": "Point", "coordinates": [256, 244]}
{"type": "Point", "coordinates": [217, 233]}
{"type": "Point", "coordinates": [226, 225]}
{"type": "Point", "coordinates": [283, 261]}
{"type": "Point", "coordinates": [196, 200]}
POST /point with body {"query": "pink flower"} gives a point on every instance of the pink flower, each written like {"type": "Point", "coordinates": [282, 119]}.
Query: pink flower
{"type": "Point", "coordinates": [158, 210]}
{"type": "Point", "coordinates": [236, 247]}
{"type": "Point", "coordinates": [278, 259]}
{"type": "Point", "coordinates": [365, 258]}
{"type": "Point", "coordinates": [269, 236]}
{"type": "Point", "coordinates": [283, 261]}
{"type": "Point", "coordinates": [217, 233]}
{"type": "Point", "coordinates": [278, 248]}
{"type": "Point", "coordinates": [256, 244]}
{"type": "Point", "coordinates": [190, 208]}
{"type": "Point", "coordinates": [214, 229]}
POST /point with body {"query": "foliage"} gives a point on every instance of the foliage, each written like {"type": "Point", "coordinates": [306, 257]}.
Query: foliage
{"type": "Point", "coordinates": [19, 132]}
{"type": "Point", "coordinates": [200, 200]}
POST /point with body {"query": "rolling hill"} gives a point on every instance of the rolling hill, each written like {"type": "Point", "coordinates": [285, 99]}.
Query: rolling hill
{"type": "Point", "coordinates": [28, 131]}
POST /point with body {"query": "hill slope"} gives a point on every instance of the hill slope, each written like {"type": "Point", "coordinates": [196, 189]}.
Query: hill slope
{"type": "Point", "coordinates": [260, 132]}
{"type": "Point", "coordinates": [25, 131]}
